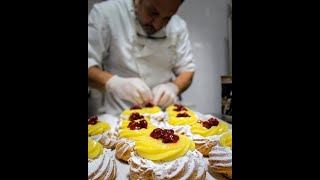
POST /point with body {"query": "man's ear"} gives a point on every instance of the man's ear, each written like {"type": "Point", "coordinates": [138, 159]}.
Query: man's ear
{"type": "Point", "coordinates": [136, 4]}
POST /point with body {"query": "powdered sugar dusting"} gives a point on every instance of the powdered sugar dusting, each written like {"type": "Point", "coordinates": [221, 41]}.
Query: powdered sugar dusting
{"type": "Point", "coordinates": [220, 156]}
{"type": "Point", "coordinates": [105, 163]}
{"type": "Point", "coordinates": [94, 164]}
{"type": "Point", "coordinates": [191, 162]}
{"type": "Point", "coordinates": [108, 139]}
{"type": "Point", "coordinates": [127, 145]}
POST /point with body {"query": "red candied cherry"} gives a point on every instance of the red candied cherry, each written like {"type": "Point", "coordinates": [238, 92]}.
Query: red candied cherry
{"type": "Point", "coordinates": [149, 105]}
{"type": "Point", "coordinates": [213, 121]}
{"type": "Point", "coordinates": [167, 138]}
{"type": "Point", "coordinates": [135, 116]}
{"type": "Point", "coordinates": [175, 138]}
{"type": "Point", "coordinates": [169, 131]}
{"type": "Point", "coordinates": [183, 115]}
{"type": "Point", "coordinates": [170, 138]}
{"type": "Point", "coordinates": [143, 124]}
{"type": "Point", "coordinates": [93, 120]}
{"type": "Point", "coordinates": [135, 107]}
{"type": "Point", "coordinates": [167, 135]}
{"type": "Point", "coordinates": [130, 123]}
{"type": "Point", "coordinates": [134, 125]}
{"type": "Point", "coordinates": [206, 124]}
{"type": "Point", "coordinates": [163, 132]}
{"type": "Point", "coordinates": [179, 108]}
{"type": "Point", "coordinates": [156, 133]}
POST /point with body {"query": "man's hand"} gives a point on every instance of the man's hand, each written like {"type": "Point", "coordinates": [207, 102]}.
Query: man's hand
{"type": "Point", "coordinates": [131, 89]}
{"type": "Point", "coordinates": [165, 94]}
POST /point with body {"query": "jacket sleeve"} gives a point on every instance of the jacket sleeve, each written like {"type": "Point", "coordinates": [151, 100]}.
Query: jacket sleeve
{"type": "Point", "coordinates": [185, 59]}
{"type": "Point", "coordinates": [99, 37]}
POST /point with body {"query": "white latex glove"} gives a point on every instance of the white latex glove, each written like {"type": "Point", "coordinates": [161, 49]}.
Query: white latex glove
{"type": "Point", "coordinates": [165, 94]}
{"type": "Point", "coordinates": [131, 89]}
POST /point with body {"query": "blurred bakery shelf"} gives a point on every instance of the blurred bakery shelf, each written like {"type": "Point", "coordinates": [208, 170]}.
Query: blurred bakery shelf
{"type": "Point", "coordinates": [226, 94]}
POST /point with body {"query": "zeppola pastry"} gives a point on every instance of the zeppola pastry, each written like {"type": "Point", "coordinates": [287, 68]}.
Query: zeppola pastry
{"type": "Point", "coordinates": [101, 131]}
{"type": "Point", "coordinates": [134, 117]}
{"type": "Point", "coordinates": [206, 134]}
{"type": "Point", "coordinates": [220, 157]}
{"type": "Point", "coordinates": [101, 163]}
{"type": "Point", "coordinates": [130, 130]}
{"type": "Point", "coordinates": [179, 118]}
{"type": "Point", "coordinates": [180, 115]}
{"type": "Point", "coordinates": [173, 110]}
{"type": "Point", "coordinates": [147, 109]}
{"type": "Point", "coordinates": [166, 155]}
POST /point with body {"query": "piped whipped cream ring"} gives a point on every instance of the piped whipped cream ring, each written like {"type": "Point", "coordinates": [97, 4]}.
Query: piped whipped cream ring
{"type": "Point", "coordinates": [127, 138]}
{"type": "Point", "coordinates": [101, 163]}
{"type": "Point", "coordinates": [220, 157]}
{"type": "Point", "coordinates": [124, 149]}
{"type": "Point", "coordinates": [206, 135]}
{"type": "Point", "coordinates": [101, 131]}
{"type": "Point", "coordinates": [166, 155]}
{"type": "Point", "coordinates": [191, 166]}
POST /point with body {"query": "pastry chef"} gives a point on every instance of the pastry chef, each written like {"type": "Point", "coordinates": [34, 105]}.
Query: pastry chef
{"type": "Point", "coordinates": [138, 52]}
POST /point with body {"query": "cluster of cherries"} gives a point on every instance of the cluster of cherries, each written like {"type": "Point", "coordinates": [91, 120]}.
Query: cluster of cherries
{"type": "Point", "coordinates": [135, 125]}
{"type": "Point", "coordinates": [179, 107]}
{"type": "Point", "coordinates": [149, 105]}
{"type": "Point", "coordinates": [93, 120]}
{"type": "Point", "coordinates": [167, 135]}
{"type": "Point", "coordinates": [209, 123]}
{"type": "Point", "coordinates": [135, 107]}
{"type": "Point", "coordinates": [139, 107]}
{"type": "Point", "coordinates": [183, 115]}
{"type": "Point", "coordinates": [135, 116]}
